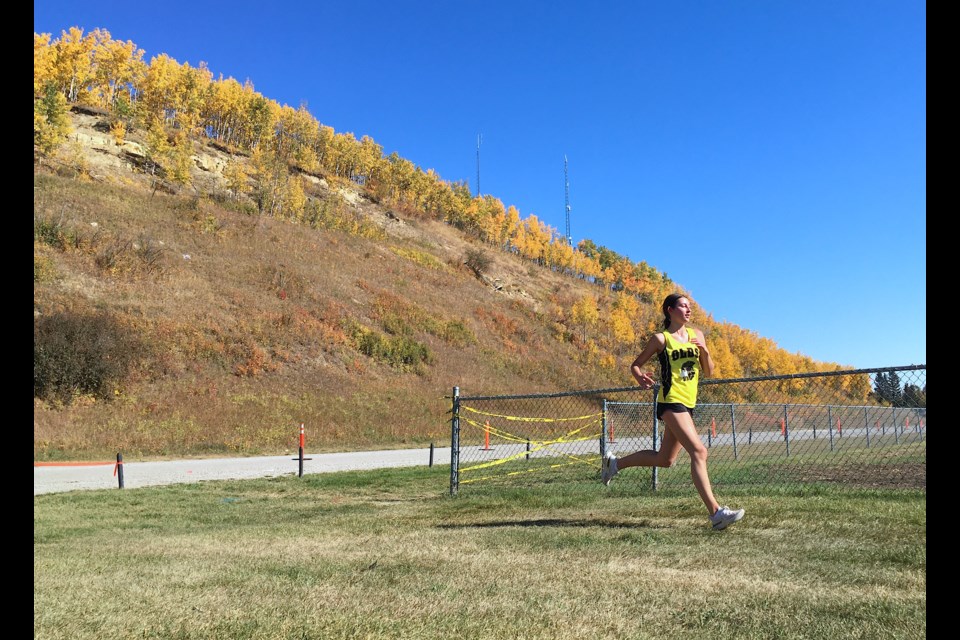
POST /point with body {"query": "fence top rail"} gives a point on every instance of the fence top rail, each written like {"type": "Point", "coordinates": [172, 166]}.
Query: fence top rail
{"type": "Point", "coordinates": [816, 374]}
{"type": "Point", "coordinates": [595, 392]}
{"type": "Point", "coordinates": [559, 394]}
{"type": "Point", "coordinates": [619, 403]}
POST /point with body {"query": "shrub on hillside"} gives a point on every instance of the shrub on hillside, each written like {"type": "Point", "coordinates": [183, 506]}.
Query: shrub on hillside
{"type": "Point", "coordinates": [477, 260]}
{"type": "Point", "coordinates": [76, 354]}
{"type": "Point", "coordinates": [400, 352]}
{"type": "Point", "coordinates": [458, 334]}
{"type": "Point", "coordinates": [43, 269]}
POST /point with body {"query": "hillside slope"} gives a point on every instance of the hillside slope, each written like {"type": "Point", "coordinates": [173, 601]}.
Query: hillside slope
{"type": "Point", "coordinates": [208, 329]}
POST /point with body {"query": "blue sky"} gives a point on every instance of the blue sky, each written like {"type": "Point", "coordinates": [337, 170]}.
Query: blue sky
{"type": "Point", "coordinates": [769, 156]}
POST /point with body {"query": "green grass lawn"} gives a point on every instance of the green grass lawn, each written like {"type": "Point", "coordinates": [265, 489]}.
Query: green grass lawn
{"type": "Point", "coordinates": [390, 554]}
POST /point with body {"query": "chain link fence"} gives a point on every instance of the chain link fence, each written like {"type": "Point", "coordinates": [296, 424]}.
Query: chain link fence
{"type": "Point", "coordinates": [861, 428]}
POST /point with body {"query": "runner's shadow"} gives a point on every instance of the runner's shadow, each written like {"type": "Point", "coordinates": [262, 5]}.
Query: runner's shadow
{"type": "Point", "coordinates": [555, 522]}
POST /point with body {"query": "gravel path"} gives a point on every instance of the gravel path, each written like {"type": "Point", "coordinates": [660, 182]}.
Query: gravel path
{"type": "Point", "coordinates": [58, 479]}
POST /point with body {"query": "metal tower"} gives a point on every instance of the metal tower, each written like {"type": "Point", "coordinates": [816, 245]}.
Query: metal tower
{"type": "Point", "coordinates": [566, 198]}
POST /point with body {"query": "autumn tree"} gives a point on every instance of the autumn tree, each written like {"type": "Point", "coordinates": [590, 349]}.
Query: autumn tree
{"type": "Point", "coordinates": [585, 315]}
{"type": "Point", "coordinates": [44, 63]}
{"type": "Point", "coordinates": [294, 198]}
{"type": "Point", "coordinates": [157, 90]}
{"type": "Point", "coordinates": [188, 100]}
{"type": "Point", "coordinates": [119, 131]}
{"type": "Point", "coordinates": [73, 66]}
{"type": "Point", "coordinates": [267, 172]}
{"type": "Point", "coordinates": [51, 125]}
{"type": "Point", "coordinates": [118, 68]}
{"type": "Point", "coordinates": [179, 159]}
{"type": "Point", "coordinates": [237, 178]}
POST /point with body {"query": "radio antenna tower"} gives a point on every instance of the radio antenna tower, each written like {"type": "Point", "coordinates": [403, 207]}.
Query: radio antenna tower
{"type": "Point", "coordinates": [479, 139]}
{"type": "Point", "coordinates": [566, 198]}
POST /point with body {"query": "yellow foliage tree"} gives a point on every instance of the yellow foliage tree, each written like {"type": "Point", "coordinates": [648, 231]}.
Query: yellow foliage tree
{"type": "Point", "coordinates": [180, 159]}
{"type": "Point", "coordinates": [118, 65]}
{"type": "Point", "coordinates": [158, 91]}
{"type": "Point", "coordinates": [51, 125]}
{"type": "Point", "coordinates": [585, 315]}
{"type": "Point", "coordinates": [74, 63]}
{"type": "Point", "coordinates": [190, 91]}
{"type": "Point", "coordinates": [294, 198]}
{"type": "Point", "coordinates": [725, 364]}
{"type": "Point", "coordinates": [157, 146]}
{"type": "Point", "coordinates": [44, 63]}
{"type": "Point", "coordinates": [119, 131]}
{"type": "Point", "coordinates": [237, 179]}
{"type": "Point", "coordinates": [621, 330]}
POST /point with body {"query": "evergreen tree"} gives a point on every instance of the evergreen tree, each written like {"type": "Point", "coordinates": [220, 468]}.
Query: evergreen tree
{"type": "Point", "coordinates": [887, 389]}
{"type": "Point", "coordinates": [913, 396]}
{"type": "Point", "coordinates": [896, 393]}
{"type": "Point", "coordinates": [881, 387]}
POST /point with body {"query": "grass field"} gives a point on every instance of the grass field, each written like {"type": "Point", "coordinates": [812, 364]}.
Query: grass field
{"type": "Point", "coordinates": [390, 554]}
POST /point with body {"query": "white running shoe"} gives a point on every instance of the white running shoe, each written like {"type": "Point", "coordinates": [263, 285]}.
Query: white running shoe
{"type": "Point", "coordinates": [724, 517]}
{"type": "Point", "coordinates": [608, 468]}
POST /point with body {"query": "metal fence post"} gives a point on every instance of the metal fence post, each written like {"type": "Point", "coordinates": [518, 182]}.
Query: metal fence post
{"type": "Point", "coordinates": [656, 433]}
{"type": "Point", "coordinates": [733, 428]}
{"type": "Point", "coordinates": [896, 430]}
{"type": "Point", "coordinates": [786, 430]}
{"type": "Point", "coordinates": [455, 443]}
{"type": "Point", "coordinates": [866, 424]}
{"type": "Point", "coordinates": [119, 469]}
{"type": "Point", "coordinates": [830, 426]}
{"type": "Point", "coordinates": [603, 431]}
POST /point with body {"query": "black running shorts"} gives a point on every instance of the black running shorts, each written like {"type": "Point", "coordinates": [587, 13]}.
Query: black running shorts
{"type": "Point", "coordinates": [676, 407]}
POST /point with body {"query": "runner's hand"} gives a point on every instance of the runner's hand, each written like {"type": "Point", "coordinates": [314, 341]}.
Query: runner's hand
{"type": "Point", "coordinates": [645, 380]}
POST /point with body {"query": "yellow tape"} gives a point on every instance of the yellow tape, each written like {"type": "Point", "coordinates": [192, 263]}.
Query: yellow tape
{"type": "Point", "coordinates": [497, 415]}
{"type": "Point", "coordinates": [515, 473]}
{"type": "Point", "coordinates": [494, 431]}
{"type": "Point", "coordinates": [500, 461]}
{"type": "Point", "coordinates": [506, 435]}
{"type": "Point", "coordinates": [537, 445]}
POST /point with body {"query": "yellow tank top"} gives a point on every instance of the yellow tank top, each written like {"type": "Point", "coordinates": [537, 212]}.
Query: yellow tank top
{"type": "Point", "coordinates": [679, 370]}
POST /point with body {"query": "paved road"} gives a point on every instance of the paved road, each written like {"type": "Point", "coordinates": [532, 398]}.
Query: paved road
{"type": "Point", "coordinates": [58, 479]}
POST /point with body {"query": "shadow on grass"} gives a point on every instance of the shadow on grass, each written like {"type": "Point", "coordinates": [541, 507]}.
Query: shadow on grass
{"type": "Point", "coordinates": [555, 522]}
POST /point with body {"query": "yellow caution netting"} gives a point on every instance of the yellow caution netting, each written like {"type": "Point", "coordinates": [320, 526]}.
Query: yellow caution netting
{"type": "Point", "coordinates": [595, 420]}
{"type": "Point", "coordinates": [516, 473]}
{"type": "Point", "coordinates": [526, 419]}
